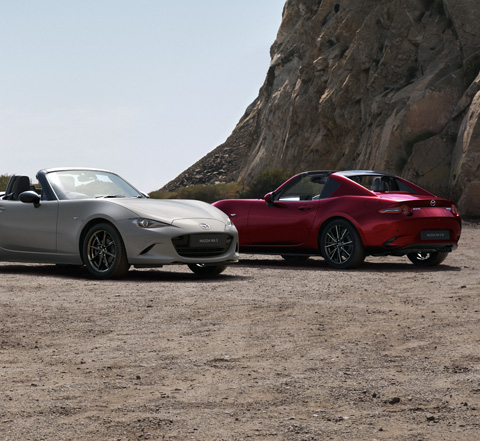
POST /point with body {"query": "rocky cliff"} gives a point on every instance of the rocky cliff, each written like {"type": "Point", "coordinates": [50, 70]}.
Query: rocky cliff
{"type": "Point", "coordinates": [390, 85]}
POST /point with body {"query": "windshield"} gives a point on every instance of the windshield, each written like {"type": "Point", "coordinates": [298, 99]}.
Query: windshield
{"type": "Point", "coordinates": [89, 184]}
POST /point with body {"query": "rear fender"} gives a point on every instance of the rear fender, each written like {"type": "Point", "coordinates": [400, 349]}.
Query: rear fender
{"type": "Point", "coordinates": [342, 216]}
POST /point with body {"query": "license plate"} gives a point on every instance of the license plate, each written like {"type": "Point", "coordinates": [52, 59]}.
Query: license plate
{"type": "Point", "coordinates": [435, 235]}
{"type": "Point", "coordinates": [208, 241]}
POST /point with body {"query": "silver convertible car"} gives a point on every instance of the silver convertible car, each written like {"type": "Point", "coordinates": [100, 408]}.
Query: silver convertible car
{"type": "Point", "coordinates": [95, 218]}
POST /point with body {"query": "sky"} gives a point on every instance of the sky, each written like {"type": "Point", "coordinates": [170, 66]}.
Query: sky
{"type": "Point", "coordinates": [144, 88]}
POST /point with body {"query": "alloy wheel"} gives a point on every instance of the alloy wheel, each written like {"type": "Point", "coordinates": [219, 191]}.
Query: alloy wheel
{"type": "Point", "coordinates": [101, 251]}
{"type": "Point", "coordinates": [338, 244]}
{"type": "Point", "coordinates": [341, 245]}
{"type": "Point", "coordinates": [104, 253]}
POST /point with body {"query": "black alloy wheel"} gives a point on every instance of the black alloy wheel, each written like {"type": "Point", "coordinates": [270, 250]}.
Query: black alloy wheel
{"type": "Point", "coordinates": [427, 258]}
{"type": "Point", "coordinates": [341, 246]}
{"type": "Point", "coordinates": [104, 253]}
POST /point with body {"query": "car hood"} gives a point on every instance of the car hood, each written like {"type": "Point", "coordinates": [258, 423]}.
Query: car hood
{"type": "Point", "coordinates": [170, 210]}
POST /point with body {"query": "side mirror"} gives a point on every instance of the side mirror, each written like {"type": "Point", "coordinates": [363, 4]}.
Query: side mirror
{"type": "Point", "coordinates": [270, 198]}
{"type": "Point", "coordinates": [30, 197]}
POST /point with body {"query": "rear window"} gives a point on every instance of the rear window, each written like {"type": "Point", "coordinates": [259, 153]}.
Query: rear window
{"type": "Point", "coordinates": [382, 183]}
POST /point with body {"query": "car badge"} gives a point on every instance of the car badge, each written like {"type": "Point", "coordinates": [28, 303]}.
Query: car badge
{"type": "Point", "coordinates": [433, 203]}
{"type": "Point", "coordinates": [205, 226]}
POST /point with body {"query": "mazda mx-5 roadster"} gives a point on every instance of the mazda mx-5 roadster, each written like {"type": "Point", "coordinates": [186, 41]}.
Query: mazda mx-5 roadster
{"type": "Point", "coordinates": [346, 216]}
{"type": "Point", "coordinates": [78, 216]}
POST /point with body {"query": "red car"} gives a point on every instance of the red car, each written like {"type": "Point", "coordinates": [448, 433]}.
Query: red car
{"type": "Point", "coordinates": [344, 216]}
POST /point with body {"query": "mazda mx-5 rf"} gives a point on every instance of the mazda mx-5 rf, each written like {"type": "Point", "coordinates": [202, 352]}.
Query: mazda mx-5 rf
{"type": "Point", "coordinates": [95, 218]}
{"type": "Point", "coordinates": [345, 216]}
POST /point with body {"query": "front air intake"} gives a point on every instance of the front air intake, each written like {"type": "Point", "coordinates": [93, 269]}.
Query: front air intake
{"type": "Point", "coordinates": [202, 245]}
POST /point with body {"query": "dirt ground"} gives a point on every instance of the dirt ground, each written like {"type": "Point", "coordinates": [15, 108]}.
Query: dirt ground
{"type": "Point", "coordinates": [269, 350]}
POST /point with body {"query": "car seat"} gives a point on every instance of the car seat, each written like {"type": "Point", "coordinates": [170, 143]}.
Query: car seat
{"type": "Point", "coordinates": [17, 185]}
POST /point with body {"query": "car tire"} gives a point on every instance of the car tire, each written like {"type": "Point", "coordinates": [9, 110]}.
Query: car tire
{"type": "Point", "coordinates": [103, 252]}
{"type": "Point", "coordinates": [341, 245]}
{"type": "Point", "coordinates": [207, 270]}
{"type": "Point", "coordinates": [427, 259]}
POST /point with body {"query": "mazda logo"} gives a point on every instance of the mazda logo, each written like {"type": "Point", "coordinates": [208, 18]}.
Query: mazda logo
{"type": "Point", "coordinates": [433, 203]}
{"type": "Point", "coordinates": [205, 226]}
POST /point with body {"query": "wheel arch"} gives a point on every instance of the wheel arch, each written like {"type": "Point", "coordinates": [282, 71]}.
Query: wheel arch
{"type": "Point", "coordinates": [90, 224]}
{"type": "Point", "coordinates": [348, 219]}
{"type": "Point", "coordinates": [344, 243]}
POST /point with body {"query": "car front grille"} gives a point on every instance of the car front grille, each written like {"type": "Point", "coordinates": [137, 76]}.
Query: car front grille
{"type": "Point", "coordinates": [202, 245]}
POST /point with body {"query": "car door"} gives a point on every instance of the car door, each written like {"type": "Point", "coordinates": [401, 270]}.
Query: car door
{"type": "Point", "coordinates": [289, 219]}
{"type": "Point", "coordinates": [28, 227]}
{"type": "Point", "coordinates": [284, 223]}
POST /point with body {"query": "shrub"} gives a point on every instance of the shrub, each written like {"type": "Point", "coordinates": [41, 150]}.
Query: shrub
{"type": "Point", "coordinates": [162, 194]}
{"type": "Point", "coordinates": [205, 193]}
{"type": "Point", "coordinates": [3, 182]}
{"type": "Point", "coordinates": [266, 181]}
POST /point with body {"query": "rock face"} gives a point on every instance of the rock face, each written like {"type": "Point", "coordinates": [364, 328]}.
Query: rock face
{"type": "Point", "coordinates": [390, 85]}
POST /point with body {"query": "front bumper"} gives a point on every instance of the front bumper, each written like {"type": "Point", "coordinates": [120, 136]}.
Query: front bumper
{"type": "Point", "coordinates": [155, 247]}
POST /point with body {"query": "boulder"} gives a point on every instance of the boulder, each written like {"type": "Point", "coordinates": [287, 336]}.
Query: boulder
{"type": "Point", "coordinates": [387, 85]}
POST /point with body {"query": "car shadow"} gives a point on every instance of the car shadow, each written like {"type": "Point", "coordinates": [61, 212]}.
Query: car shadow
{"type": "Point", "coordinates": [133, 275]}
{"type": "Point", "coordinates": [164, 275]}
{"type": "Point", "coordinates": [405, 267]}
{"type": "Point", "coordinates": [186, 276]}
{"type": "Point", "coordinates": [314, 264]}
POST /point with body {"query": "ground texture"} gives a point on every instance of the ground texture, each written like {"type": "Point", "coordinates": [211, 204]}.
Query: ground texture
{"type": "Point", "coordinates": [267, 351]}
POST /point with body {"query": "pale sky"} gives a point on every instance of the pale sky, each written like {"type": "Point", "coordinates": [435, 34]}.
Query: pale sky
{"type": "Point", "coordinates": [144, 88]}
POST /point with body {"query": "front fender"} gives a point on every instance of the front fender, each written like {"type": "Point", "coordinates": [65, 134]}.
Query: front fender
{"type": "Point", "coordinates": [74, 216]}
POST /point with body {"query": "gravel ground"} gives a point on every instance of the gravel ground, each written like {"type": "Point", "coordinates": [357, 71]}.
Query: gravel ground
{"type": "Point", "coordinates": [269, 350]}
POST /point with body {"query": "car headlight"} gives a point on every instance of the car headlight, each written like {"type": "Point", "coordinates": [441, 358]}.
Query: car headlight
{"type": "Point", "coordinates": [228, 222]}
{"type": "Point", "coordinates": [149, 223]}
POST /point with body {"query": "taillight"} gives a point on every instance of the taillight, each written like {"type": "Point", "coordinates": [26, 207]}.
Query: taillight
{"type": "Point", "coordinates": [406, 210]}
{"type": "Point", "coordinates": [454, 210]}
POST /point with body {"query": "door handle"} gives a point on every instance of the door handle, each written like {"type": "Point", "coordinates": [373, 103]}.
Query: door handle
{"type": "Point", "coordinates": [2, 208]}
{"type": "Point", "coordinates": [305, 207]}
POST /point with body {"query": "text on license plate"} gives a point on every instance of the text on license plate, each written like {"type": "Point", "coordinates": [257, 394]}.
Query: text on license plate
{"type": "Point", "coordinates": [435, 235]}
{"type": "Point", "coordinates": [207, 240]}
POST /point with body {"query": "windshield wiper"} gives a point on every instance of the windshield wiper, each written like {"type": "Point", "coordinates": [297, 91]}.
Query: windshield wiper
{"type": "Point", "coordinates": [110, 196]}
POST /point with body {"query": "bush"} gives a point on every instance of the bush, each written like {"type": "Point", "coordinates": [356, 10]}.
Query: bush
{"type": "Point", "coordinates": [205, 193]}
{"type": "Point", "coordinates": [3, 182]}
{"type": "Point", "coordinates": [266, 181]}
{"type": "Point", "coordinates": [163, 194]}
